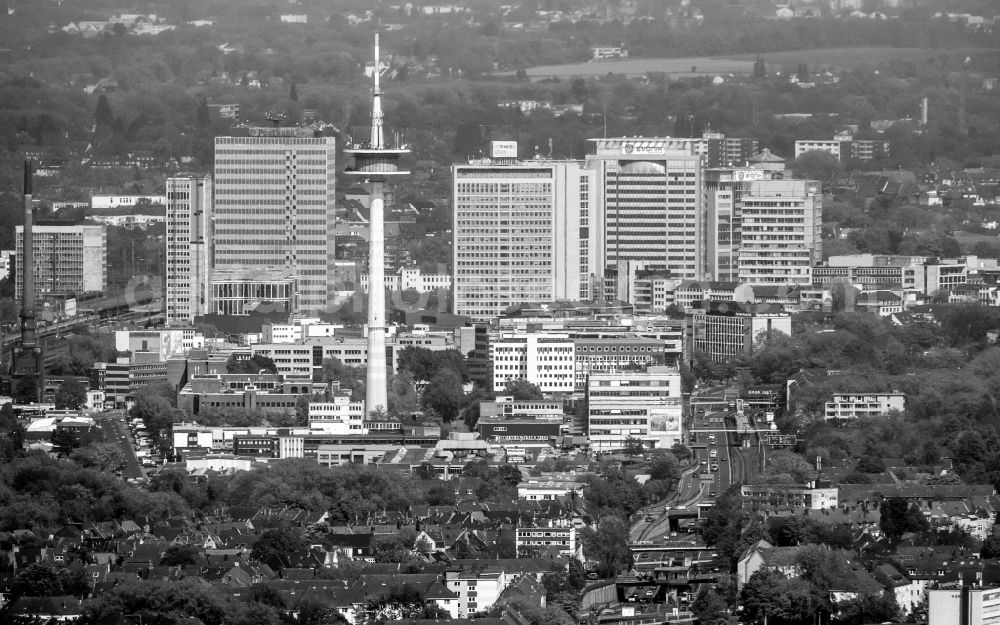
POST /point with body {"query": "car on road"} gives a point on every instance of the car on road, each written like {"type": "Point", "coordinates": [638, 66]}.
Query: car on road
{"type": "Point", "coordinates": [650, 518]}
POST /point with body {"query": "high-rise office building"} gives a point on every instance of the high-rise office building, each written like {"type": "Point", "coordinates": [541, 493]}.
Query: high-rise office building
{"type": "Point", "coordinates": [524, 231]}
{"type": "Point", "coordinates": [274, 208]}
{"type": "Point", "coordinates": [188, 247]}
{"type": "Point", "coordinates": [649, 195]}
{"type": "Point", "coordinates": [781, 236]}
{"type": "Point", "coordinates": [724, 191]}
{"type": "Point", "coordinates": [69, 259]}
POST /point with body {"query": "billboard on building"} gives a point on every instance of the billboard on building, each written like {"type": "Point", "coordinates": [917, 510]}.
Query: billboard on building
{"type": "Point", "coordinates": [503, 149]}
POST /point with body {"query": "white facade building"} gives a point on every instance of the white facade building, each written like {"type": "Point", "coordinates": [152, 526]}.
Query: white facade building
{"type": "Point", "coordinates": [188, 248]}
{"type": "Point", "coordinates": [69, 260]}
{"type": "Point", "coordinates": [642, 405]}
{"type": "Point", "coordinates": [275, 196]}
{"type": "Point", "coordinates": [817, 145]}
{"type": "Point", "coordinates": [649, 203]}
{"type": "Point", "coordinates": [523, 232]}
{"type": "Point", "coordinates": [548, 362]}
{"type": "Point", "coordinates": [114, 201]}
{"type": "Point", "coordinates": [560, 534]}
{"type": "Point", "coordinates": [724, 191]}
{"type": "Point", "coordinates": [963, 606]}
{"type": "Point", "coordinates": [477, 592]}
{"type": "Point", "coordinates": [780, 232]}
{"type": "Point", "coordinates": [340, 415]}
{"type": "Point", "coordinates": [864, 405]}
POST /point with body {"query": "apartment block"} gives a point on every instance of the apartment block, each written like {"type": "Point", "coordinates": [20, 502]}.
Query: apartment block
{"type": "Point", "coordinates": [724, 191]}
{"type": "Point", "coordinates": [863, 405]}
{"type": "Point", "coordinates": [559, 535]}
{"type": "Point", "coordinates": [476, 591]}
{"type": "Point", "coordinates": [781, 232]}
{"type": "Point", "coordinates": [70, 259]}
{"type": "Point", "coordinates": [845, 147]}
{"type": "Point", "coordinates": [813, 495]}
{"type": "Point", "coordinates": [188, 248]}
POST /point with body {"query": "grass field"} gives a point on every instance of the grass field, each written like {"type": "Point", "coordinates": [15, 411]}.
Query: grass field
{"type": "Point", "coordinates": [968, 239]}
{"type": "Point", "coordinates": [837, 58]}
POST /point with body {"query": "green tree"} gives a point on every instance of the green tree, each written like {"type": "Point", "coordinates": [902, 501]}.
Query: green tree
{"type": "Point", "coordinates": [180, 555]}
{"type": "Point", "coordinates": [349, 378]}
{"type": "Point", "coordinates": [104, 457]}
{"type": "Point", "coordinates": [274, 543]}
{"type": "Point", "coordinates": [609, 546]}
{"type": "Point", "coordinates": [258, 363]}
{"type": "Point", "coordinates": [403, 399]}
{"type": "Point", "coordinates": [25, 390]}
{"type": "Point", "coordinates": [444, 395]}
{"type": "Point", "coordinates": [634, 446]}
{"type": "Point", "coordinates": [317, 613]}
{"type": "Point", "coordinates": [869, 608]}
{"type": "Point", "coordinates": [870, 464]}
{"type": "Point", "coordinates": [72, 395]}
{"type": "Point", "coordinates": [898, 517]}
{"type": "Point", "coordinates": [204, 117]}
{"type": "Point", "coordinates": [769, 597]}
{"type": "Point", "coordinates": [664, 467]}
{"type": "Point", "coordinates": [37, 580]}
{"type": "Point", "coordinates": [523, 390]}
{"type": "Point", "coordinates": [710, 607]}
{"type": "Point", "coordinates": [991, 547]}
{"type": "Point", "coordinates": [302, 410]}
{"type": "Point", "coordinates": [681, 452]}
{"type": "Point", "coordinates": [817, 165]}
{"type": "Point", "coordinates": [102, 114]}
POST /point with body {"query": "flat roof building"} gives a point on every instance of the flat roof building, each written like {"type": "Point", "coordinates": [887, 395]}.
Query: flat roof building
{"type": "Point", "coordinates": [275, 196]}
{"type": "Point", "coordinates": [68, 259]}
{"type": "Point", "coordinates": [523, 232]}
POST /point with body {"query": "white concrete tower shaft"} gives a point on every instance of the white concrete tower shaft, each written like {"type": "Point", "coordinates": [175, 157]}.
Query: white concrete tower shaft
{"type": "Point", "coordinates": [376, 391]}
{"type": "Point", "coordinates": [374, 163]}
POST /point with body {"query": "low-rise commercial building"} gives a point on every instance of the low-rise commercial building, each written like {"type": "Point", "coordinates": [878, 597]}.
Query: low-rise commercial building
{"type": "Point", "coordinates": [813, 495]}
{"type": "Point", "coordinates": [546, 361]}
{"type": "Point", "coordinates": [634, 405]}
{"type": "Point", "coordinates": [559, 534]}
{"type": "Point", "coordinates": [727, 330]}
{"type": "Point", "coordinates": [864, 405]}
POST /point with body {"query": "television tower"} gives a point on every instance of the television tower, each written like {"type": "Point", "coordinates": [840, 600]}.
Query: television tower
{"type": "Point", "coordinates": [374, 163]}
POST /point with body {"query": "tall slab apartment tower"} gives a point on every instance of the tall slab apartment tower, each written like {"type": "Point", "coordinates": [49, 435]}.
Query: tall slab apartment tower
{"type": "Point", "coordinates": [274, 210]}
{"type": "Point", "coordinates": [188, 247]}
